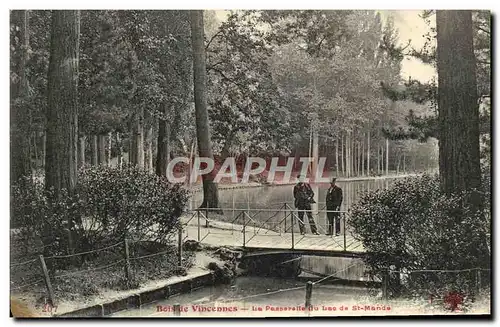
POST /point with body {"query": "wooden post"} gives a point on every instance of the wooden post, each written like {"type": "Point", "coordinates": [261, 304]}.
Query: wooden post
{"type": "Point", "coordinates": [478, 281]}
{"type": "Point", "coordinates": [309, 288]}
{"type": "Point", "coordinates": [199, 227]}
{"type": "Point", "coordinates": [293, 234]}
{"type": "Point", "coordinates": [385, 282]}
{"type": "Point", "coordinates": [179, 252]}
{"type": "Point", "coordinates": [177, 309]}
{"type": "Point", "coordinates": [48, 284]}
{"type": "Point", "coordinates": [284, 207]}
{"type": "Point", "coordinates": [128, 273]}
{"type": "Point", "coordinates": [244, 228]}
{"type": "Point", "coordinates": [345, 238]}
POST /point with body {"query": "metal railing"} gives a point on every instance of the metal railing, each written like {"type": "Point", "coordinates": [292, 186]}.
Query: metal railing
{"type": "Point", "coordinates": [246, 225]}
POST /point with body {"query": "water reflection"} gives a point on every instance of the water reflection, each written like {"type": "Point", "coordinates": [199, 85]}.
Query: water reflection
{"type": "Point", "coordinates": [251, 291]}
{"type": "Point", "coordinates": [273, 198]}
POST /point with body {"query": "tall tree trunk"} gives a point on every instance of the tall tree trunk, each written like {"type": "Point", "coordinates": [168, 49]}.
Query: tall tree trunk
{"type": "Point", "coordinates": [35, 148]}
{"type": "Point", "coordinates": [62, 117]}
{"type": "Point", "coordinates": [404, 162]}
{"type": "Point", "coordinates": [342, 153]}
{"type": "Point", "coordinates": [459, 147]}
{"type": "Point", "coordinates": [315, 154]}
{"type": "Point", "coordinates": [94, 150]}
{"type": "Point", "coordinates": [398, 164]}
{"type": "Point", "coordinates": [81, 157]}
{"type": "Point", "coordinates": [210, 189]}
{"type": "Point", "coordinates": [387, 157]}
{"type": "Point", "coordinates": [62, 101]}
{"type": "Point", "coordinates": [358, 157]}
{"type": "Point", "coordinates": [347, 164]}
{"type": "Point", "coordinates": [163, 144]}
{"type": "Point", "coordinates": [20, 158]}
{"type": "Point", "coordinates": [363, 154]}
{"type": "Point", "coordinates": [380, 158]}
{"type": "Point", "coordinates": [414, 162]}
{"type": "Point", "coordinates": [44, 148]}
{"type": "Point", "coordinates": [138, 153]}
{"type": "Point", "coordinates": [355, 155]}
{"type": "Point", "coordinates": [132, 147]}
{"type": "Point", "coordinates": [148, 151]}
{"type": "Point", "coordinates": [459, 165]}
{"type": "Point", "coordinates": [110, 145]}
{"type": "Point", "coordinates": [119, 145]}
{"type": "Point", "coordinates": [351, 156]}
{"type": "Point", "coordinates": [368, 167]}
{"type": "Point", "coordinates": [101, 149]}
{"type": "Point", "coordinates": [337, 154]}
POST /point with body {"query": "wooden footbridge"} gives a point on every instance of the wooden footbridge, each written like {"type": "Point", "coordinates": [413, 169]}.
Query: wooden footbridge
{"type": "Point", "coordinates": [270, 231]}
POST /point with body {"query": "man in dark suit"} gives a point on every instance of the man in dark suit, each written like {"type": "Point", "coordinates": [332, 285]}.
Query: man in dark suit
{"type": "Point", "coordinates": [333, 203]}
{"type": "Point", "coordinates": [303, 194]}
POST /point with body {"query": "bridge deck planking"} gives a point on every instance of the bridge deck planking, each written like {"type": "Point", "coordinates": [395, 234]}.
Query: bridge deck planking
{"type": "Point", "coordinates": [262, 239]}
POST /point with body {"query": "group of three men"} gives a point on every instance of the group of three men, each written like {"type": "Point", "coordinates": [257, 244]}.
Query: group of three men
{"type": "Point", "coordinates": [304, 196]}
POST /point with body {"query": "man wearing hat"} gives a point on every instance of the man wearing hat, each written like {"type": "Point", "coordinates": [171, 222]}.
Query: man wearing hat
{"type": "Point", "coordinates": [333, 203]}
{"type": "Point", "coordinates": [304, 196]}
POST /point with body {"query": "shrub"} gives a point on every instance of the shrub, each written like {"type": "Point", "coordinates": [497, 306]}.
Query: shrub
{"type": "Point", "coordinates": [413, 226]}
{"type": "Point", "coordinates": [39, 215]}
{"type": "Point", "coordinates": [128, 201]}
{"type": "Point", "coordinates": [107, 205]}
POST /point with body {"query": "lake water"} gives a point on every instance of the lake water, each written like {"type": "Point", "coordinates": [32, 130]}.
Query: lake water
{"type": "Point", "coordinates": [248, 294]}
{"type": "Point", "coordinates": [266, 203]}
{"type": "Point", "coordinates": [276, 196]}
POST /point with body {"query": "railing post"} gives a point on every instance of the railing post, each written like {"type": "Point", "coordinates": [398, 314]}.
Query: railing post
{"type": "Point", "coordinates": [293, 234]}
{"type": "Point", "coordinates": [179, 245]}
{"type": "Point", "coordinates": [478, 281]}
{"type": "Point", "coordinates": [199, 227]}
{"type": "Point", "coordinates": [345, 238]}
{"type": "Point", "coordinates": [48, 284]}
{"type": "Point", "coordinates": [126, 254]}
{"type": "Point", "coordinates": [177, 309]}
{"type": "Point", "coordinates": [385, 284]}
{"type": "Point", "coordinates": [244, 228]}
{"type": "Point", "coordinates": [285, 207]}
{"type": "Point", "coordinates": [309, 288]}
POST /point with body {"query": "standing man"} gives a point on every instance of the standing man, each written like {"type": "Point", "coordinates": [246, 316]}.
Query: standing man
{"type": "Point", "coordinates": [333, 203]}
{"type": "Point", "coordinates": [304, 196]}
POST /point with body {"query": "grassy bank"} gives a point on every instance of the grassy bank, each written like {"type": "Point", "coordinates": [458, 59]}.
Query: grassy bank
{"type": "Point", "coordinates": [98, 277]}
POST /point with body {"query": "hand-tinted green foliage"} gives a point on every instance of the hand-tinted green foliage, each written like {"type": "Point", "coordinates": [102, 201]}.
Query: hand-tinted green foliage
{"type": "Point", "coordinates": [111, 203]}
{"type": "Point", "coordinates": [413, 226]}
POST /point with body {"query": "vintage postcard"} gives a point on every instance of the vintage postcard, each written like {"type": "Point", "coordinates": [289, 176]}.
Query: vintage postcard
{"type": "Point", "coordinates": [250, 163]}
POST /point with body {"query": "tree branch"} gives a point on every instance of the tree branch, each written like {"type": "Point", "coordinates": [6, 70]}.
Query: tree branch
{"type": "Point", "coordinates": [225, 77]}
{"type": "Point", "coordinates": [484, 62]}
{"type": "Point", "coordinates": [484, 30]}
{"type": "Point", "coordinates": [211, 39]}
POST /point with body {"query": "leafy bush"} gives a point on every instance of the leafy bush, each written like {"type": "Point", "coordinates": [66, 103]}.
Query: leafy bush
{"type": "Point", "coordinates": [41, 217]}
{"type": "Point", "coordinates": [413, 226]}
{"type": "Point", "coordinates": [128, 201]}
{"type": "Point", "coordinates": [107, 205]}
